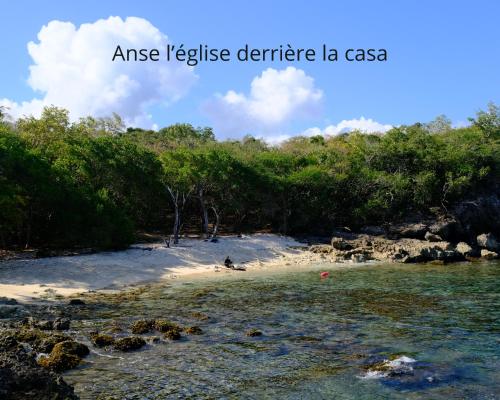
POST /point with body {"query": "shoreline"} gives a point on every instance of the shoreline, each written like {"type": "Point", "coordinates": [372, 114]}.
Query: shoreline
{"type": "Point", "coordinates": [57, 277]}
{"type": "Point", "coordinates": [54, 278]}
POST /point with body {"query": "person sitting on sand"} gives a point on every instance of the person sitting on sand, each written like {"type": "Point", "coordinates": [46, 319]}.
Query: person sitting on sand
{"type": "Point", "coordinates": [228, 263]}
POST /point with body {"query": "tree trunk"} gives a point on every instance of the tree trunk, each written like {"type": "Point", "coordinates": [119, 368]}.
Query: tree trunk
{"type": "Point", "coordinates": [204, 214]}
{"type": "Point", "coordinates": [177, 224]}
{"type": "Point", "coordinates": [177, 215]}
{"type": "Point", "coordinates": [216, 224]}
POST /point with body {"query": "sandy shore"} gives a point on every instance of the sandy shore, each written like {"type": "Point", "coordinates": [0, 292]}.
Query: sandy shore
{"type": "Point", "coordinates": [27, 280]}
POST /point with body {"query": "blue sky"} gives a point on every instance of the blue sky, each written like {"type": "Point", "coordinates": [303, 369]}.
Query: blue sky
{"type": "Point", "coordinates": [444, 58]}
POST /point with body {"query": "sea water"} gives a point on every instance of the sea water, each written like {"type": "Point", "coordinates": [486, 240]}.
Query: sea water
{"type": "Point", "coordinates": [365, 332]}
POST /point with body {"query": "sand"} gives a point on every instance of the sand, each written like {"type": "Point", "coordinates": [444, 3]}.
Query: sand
{"type": "Point", "coordinates": [28, 280]}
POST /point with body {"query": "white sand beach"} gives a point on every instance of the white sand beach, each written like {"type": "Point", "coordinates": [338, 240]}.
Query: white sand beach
{"type": "Point", "coordinates": [27, 280]}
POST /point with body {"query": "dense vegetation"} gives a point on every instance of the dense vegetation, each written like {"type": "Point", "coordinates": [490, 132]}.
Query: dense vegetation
{"type": "Point", "coordinates": [95, 183]}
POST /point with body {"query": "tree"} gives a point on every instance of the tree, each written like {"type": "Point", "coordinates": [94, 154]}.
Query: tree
{"type": "Point", "coordinates": [178, 182]}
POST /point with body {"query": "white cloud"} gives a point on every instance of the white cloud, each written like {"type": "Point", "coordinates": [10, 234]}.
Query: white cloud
{"type": "Point", "coordinates": [276, 97]}
{"type": "Point", "coordinates": [365, 125]}
{"type": "Point", "coordinates": [72, 68]}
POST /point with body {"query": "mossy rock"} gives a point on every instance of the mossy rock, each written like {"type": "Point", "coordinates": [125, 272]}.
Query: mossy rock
{"type": "Point", "coordinates": [59, 362]}
{"type": "Point", "coordinates": [41, 341]}
{"type": "Point", "coordinates": [45, 345]}
{"type": "Point", "coordinates": [101, 340]}
{"type": "Point", "coordinates": [193, 330]}
{"type": "Point", "coordinates": [71, 347]}
{"type": "Point", "coordinates": [253, 332]}
{"type": "Point", "coordinates": [129, 343]}
{"type": "Point", "coordinates": [173, 334]}
{"type": "Point", "coordinates": [163, 325]}
{"type": "Point", "coordinates": [29, 335]}
{"type": "Point", "coordinates": [142, 326]}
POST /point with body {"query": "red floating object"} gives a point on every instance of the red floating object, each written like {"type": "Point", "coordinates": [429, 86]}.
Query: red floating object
{"type": "Point", "coordinates": [324, 275]}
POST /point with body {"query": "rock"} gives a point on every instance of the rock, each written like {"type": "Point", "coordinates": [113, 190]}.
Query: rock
{"type": "Point", "coordinates": [45, 325]}
{"type": "Point", "coordinates": [193, 330]}
{"type": "Point", "coordinates": [412, 230]}
{"type": "Point", "coordinates": [76, 302]}
{"type": "Point", "coordinates": [101, 340]}
{"type": "Point", "coordinates": [488, 255]}
{"type": "Point", "coordinates": [62, 324]}
{"type": "Point", "coordinates": [447, 227]}
{"type": "Point", "coordinates": [479, 215]}
{"type": "Point", "coordinates": [7, 311]}
{"type": "Point", "coordinates": [340, 244]}
{"type": "Point", "coordinates": [321, 249]}
{"type": "Point", "coordinates": [71, 347]}
{"type": "Point", "coordinates": [142, 326]}
{"type": "Point", "coordinates": [173, 334]}
{"type": "Point", "coordinates": [8, 301]}
{"type": "Point", "coordinates": [358, 258]}
{"type": "Point", "coordinates": [253, 332]}
{"type": "Point", "coordinates": [163, 325]}
{"type": "Point", "coordinates": [431, 237]}
{"type": "Point", "coordinates": [129, 343]}
{"type": "Point", "coordinates": [47, 343]}
{"type": "Point", "coordinates": [465, 250]}
{"type": "Point", "coordinates": [488, 241]}
{"type": "Point", "coordinates": [40, 341]}
{"type": "Point", "coordinates": [59, 324]}
{"type": "Point", "coordinates": [22, 378]}
{"type": "Point", "coordinates": [59, 362]}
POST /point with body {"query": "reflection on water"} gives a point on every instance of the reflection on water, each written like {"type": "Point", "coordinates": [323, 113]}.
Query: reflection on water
{"type": "Point", "coordinates": [367, 332]}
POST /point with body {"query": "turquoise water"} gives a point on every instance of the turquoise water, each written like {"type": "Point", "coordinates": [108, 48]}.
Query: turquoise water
{"type": "Point", "coordinates": [322, 339]}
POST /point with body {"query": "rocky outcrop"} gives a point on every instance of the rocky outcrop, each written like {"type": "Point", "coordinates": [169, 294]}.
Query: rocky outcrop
{"type": "Point", "coordinates": [465, 250]}
{"type": "Point", "coordinates": [489, 242]}
{"type": "Point", "coordinates": [22, 378]}
{"type": "Point", "coordinates": [488, 255]}
{"type": "Point", "coordinates": [479, 215]}
{"type": "Point", "coordinates": [458, 234]}
{"type": "Point", "coordinates": [431, 237]}
{"type": "Point", "coordinates": [362, 247]}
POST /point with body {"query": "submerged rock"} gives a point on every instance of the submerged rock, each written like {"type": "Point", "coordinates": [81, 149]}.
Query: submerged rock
{"type": "Point", "coordinates": [163, 325]}
{"type": "Point", "coordinates": [129, 343]}
{"type": "Point", "coordinates": [59, 324]}
{"type": "Point", "coordinates": [253, 332]}
{"type": "Point", "coordinates": [142, 326]}
{"type": "Point", "coordinates": [76, 302]}
{"type": "Point", "coordinates": [101, 339]}
{"type": "Point", "coordinates": [200, 316]}
{"type": "Point", "coordinates": [8, 301]}
{"type": "Point", "coordinates": [173, 334]}
{"type": "Point", "coordinates": [193, 330]}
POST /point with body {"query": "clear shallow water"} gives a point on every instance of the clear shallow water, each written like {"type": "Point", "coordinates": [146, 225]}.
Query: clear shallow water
{"type": "Point", "coordinates": [321, 338]}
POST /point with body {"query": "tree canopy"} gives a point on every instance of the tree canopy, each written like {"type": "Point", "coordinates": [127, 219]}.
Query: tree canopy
{"type": "Point", "coordinates": [94, 183]}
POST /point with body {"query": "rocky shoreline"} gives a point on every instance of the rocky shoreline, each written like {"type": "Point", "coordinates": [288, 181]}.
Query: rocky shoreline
{"type": "Point", "coordinates": [467, 232]}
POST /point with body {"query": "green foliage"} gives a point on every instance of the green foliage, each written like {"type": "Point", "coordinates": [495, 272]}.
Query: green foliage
{"type": "Point", "coordinates": [93, 183]}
